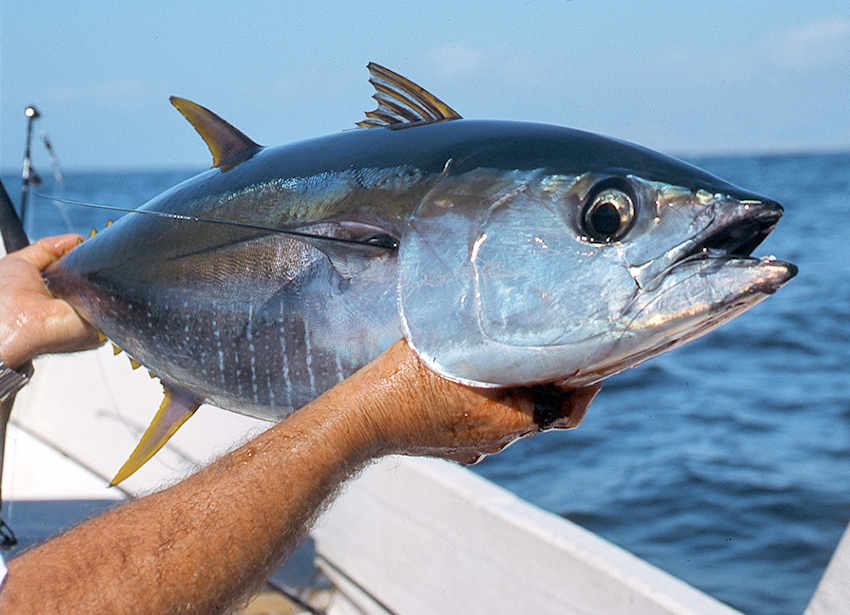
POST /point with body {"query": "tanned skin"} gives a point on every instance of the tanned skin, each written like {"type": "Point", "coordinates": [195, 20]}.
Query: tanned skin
{"type": "Point", "coordinates": [204, 544]}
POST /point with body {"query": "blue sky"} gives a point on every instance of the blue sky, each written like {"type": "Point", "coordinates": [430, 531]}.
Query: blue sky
{"type": "Point", "coordinates": [680, 77]}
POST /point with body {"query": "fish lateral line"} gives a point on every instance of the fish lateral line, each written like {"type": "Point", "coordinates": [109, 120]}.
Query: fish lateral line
{"type": "Point", "coordinates": [388, 246]}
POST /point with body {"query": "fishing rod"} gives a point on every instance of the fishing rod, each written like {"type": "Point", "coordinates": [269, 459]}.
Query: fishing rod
{"type": "Point", "coordinates": [13, 231]}
{"type": "Point", "coordinates": [14, 238]}
{"type": "Point", "coordinates": [54, 161]}
{"type": "Point", "coordinates": [28, 173]}
{"type": "Point", "coordinates": [29, 176]}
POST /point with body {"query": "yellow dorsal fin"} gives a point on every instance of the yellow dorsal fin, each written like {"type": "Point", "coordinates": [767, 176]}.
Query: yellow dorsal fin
{"type": "Point", "coordinates": [400, 101]}
{"type": "Point", "coordinates": [175, 410]}
{"type": "Point", "coordinates": [228, 145]}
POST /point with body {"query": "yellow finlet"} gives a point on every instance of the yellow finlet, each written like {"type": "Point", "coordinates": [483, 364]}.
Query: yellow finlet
{"type": "Point", "coordinates": [175, 410]}
{"type": "Point", "coordinates": [101, 338]}
{"type": "Point", "coordinates": [402, 103]}
{"type": "Point", "coordinates": [134, 364]}
{"type": "Point", "coordinates": [116, 350]}
{"type": "Point", "coordinates": [92, 233]}
{"type": "Point", "coordinates": [109, 223]}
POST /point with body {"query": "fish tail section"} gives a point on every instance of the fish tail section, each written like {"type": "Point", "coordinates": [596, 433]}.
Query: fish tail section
{"type": "Point", "coordinates": [175, 410]}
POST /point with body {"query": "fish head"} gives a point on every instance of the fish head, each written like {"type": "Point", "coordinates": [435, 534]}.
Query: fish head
{"type": "Point", "coordinates": [515, 277]}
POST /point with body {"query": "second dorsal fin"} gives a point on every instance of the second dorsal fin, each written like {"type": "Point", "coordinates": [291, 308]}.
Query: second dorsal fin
{"type": "Point", "coordinates": [228, 145]}
{"type": "Point", "coordinates": [400, 101]}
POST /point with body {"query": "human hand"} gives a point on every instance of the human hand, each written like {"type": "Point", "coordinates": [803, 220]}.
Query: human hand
{"type": "Point", "coordinates": [414, 411]}
{"type": "Point", "coordinates": [32, 322]}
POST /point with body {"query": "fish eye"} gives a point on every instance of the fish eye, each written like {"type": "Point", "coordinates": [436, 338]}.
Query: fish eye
{"type": "Point", "coordinates": [608, 215]}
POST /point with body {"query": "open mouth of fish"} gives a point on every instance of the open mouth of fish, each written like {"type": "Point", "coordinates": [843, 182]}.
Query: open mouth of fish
{"type": "Point", "coordinates": [732, 236]}
{"type": "Point", "coordinates": [740, 235]}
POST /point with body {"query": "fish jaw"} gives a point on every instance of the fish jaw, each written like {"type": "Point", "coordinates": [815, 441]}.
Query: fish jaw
{"type": "Point", "coordinates": [726, 228]}
{"type": "Point", "coordinates": [693, 299]}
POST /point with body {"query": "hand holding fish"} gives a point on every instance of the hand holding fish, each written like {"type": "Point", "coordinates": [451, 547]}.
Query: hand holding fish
{"type": "Point", "coordinates": [32, 322]}
{"type": "Point", "coordinates": [507, 254]}
{"type": "Point", "coordinates": [413, 411]}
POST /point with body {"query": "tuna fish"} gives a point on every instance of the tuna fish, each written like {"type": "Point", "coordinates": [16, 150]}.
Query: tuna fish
{"type": "Point", "coordinates": [506, 253]}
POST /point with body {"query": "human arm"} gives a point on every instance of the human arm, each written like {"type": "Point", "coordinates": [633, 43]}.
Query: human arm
{"type": "Point", "coordinates": [204, 543]}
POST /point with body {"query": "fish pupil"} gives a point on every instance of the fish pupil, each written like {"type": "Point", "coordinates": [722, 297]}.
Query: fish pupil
{"type": "Point", "coordinates": [606, 219]}
{"type": "Point", "coordinates": [609, 215]}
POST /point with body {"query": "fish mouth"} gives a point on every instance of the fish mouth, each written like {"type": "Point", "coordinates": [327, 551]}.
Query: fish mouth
{"type": "Point", "coordinates": [737, 234]}
{"type": "Point", "coordinates": [732, 238]}
{"type": "Point", "coordinates": [735, 230]}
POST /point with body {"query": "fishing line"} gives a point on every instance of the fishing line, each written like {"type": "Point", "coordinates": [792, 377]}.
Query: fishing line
{"type": "Point", "coordinates": [381, 242]}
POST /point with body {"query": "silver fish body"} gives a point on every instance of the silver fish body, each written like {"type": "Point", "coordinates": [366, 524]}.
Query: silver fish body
{"type": "Point", "coordinates": [506, 253]}
{"type": "Point", "coordinates": [495, 280]}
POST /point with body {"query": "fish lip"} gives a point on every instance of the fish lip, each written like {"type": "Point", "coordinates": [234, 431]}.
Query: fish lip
{"type": "Point", "coordinates": [734, 239]}
{"type": "Point", "coordinates": [738, 235]}
{"type": "Point", "coordinates": [736, 228]}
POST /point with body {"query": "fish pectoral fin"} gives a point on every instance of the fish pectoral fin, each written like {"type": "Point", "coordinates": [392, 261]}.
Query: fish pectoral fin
{"type": "Point", "coordinates": [228, 145]}
{"type": "Point", "coordinates": [350, 258]}
{"type": "Point", "coordinates": [175, 410]}
{"type": "Point", "coordinates": [350, 247]}
{"type": "Point", "coordinates": [401, 102]}
{"type": "Point", "coordinates": [350, 262]}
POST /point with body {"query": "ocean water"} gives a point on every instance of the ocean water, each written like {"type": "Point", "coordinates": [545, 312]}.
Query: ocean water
{"type": "Point", "coordinates": [725, 462]}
